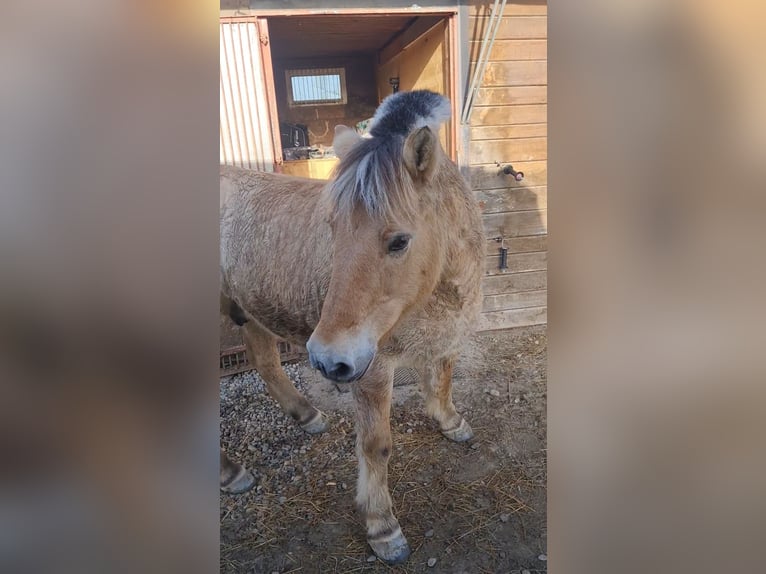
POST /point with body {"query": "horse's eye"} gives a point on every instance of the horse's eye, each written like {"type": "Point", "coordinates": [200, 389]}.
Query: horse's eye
{"type": "Point", "coordinates": [398, 243]}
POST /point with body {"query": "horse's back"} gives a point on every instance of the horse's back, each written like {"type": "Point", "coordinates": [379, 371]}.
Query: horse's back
{"type": "Point", "coordinates": [238, 183]}
{"type": "Point", "coordinates": [275, 248]}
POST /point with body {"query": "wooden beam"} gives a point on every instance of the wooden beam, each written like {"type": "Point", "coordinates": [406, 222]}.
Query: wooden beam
{"type": "Point", "coordinates": [404, 39]}
{"type": "Point", "coordinates": [517, 263]}
{"type": "Point", "coordinates": [512, 318]}
{"type": "Point", "coordinates": [512, 95]}
{"type": "Point", "coordinates": [509, 132]}
{"type": "Point", "coordinates": [509, 115]}
{"type": "Point", "coordinates": [268, 79]}
{"type": "Point", "coordinates": [508, 50]}
{"type": "Point", "coordinates": [525, 244]}
{"type": "Point", "coordinates": [524, 28]}
{"type": "Point", "coordinates": [515, 8]}
{"type": "Point", "coordinates": [283, 11]}
{"type": "Point", "coordinates": [510, 150]}
{"type": "Point", "coordinates": [452, 82]}
{"type": "Point", "coordinates": [521, 300]}
{"type": "Point", "coordinates": [515, 282]}
{"type": "Point", "coordinates": [522, 198]}
{"type": "Point", "coordinates": [516, 223]}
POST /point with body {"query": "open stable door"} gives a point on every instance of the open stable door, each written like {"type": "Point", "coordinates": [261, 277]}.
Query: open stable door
{"type": "Point", "coordinates": [249, 135]}
{"type": "Point", "coordinates": [365, 52]}
{"type": "Point", "coordinates": [249, 125]}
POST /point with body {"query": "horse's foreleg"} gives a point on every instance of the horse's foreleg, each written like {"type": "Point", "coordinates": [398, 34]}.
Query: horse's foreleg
{"type": "Point", "coordinates": [263, 354]}
{"type": "Point", "coordinates": [373, 449]}
{"type": "Point", "coordinates": [234, 478]}
{"type": "Point", "coordinates": [436, 383]}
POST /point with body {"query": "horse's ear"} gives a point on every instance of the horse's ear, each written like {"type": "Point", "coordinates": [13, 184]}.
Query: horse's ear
{"type": "Point", "coordinates": [421, 154]}
{"type": "Point", "coordinates": [345, 138]}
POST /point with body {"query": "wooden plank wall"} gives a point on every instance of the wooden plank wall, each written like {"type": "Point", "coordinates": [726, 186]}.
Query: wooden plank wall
{"type": "Point", "coordinates": [509, 125]}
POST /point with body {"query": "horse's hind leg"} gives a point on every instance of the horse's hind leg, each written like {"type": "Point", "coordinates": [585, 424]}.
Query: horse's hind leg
{"type": "Point", "coordinates": [436, 383]}
{"type": "Point", "coordinates": [372, 395]}
{"type": "Point", "coordinates": [234, 478]}
{"type": "Point", "coordinates": [264, 356]}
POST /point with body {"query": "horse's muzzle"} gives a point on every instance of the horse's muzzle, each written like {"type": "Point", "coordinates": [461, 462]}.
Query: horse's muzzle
{"type": "Point", "coordinates": [342, 367]}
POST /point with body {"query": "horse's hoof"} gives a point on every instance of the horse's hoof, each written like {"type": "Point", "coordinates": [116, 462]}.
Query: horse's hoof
{"type": "Point", "coordinates": [318, 424]}
{"type": "Point", "coordinates": [239, 483]}
{"type": "Point", "coordinates": [461, 433]}
{"type": "Point", "coordinates": [393, 549]}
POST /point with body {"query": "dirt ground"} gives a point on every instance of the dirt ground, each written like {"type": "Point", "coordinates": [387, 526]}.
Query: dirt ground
{"type": "Point", "coordinates": [475, 508]}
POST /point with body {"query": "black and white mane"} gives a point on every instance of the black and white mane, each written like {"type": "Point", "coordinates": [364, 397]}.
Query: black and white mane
{"type": "Point", "coordinates": [372, 174]}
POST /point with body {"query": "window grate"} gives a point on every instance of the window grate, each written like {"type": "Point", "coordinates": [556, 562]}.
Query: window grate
{"type": "Point", "coordinates": [234, 360]}
{"type": "Point", "coordinates": [316, 86]}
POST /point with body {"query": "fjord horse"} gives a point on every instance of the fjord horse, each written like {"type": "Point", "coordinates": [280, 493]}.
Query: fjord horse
{"type": "Point", "coordinates": [378, 268]}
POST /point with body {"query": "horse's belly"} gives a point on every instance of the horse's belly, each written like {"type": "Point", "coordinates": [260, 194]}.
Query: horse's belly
{"type": "Point", "coordinates": [285, 323]}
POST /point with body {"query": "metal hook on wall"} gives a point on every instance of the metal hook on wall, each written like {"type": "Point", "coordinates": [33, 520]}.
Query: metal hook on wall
{"type": "Point", "coordinates": [508, 170]}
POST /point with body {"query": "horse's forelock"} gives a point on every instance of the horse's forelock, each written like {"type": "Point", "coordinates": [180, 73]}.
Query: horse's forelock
{"type": "Point", "coordinates": [372, 173]}
{"type": "Point", "coordinates": [372, 176]}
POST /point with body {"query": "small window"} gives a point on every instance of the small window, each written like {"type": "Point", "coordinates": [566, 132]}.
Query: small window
{"type": "Point", "coordinates": [316, 86]}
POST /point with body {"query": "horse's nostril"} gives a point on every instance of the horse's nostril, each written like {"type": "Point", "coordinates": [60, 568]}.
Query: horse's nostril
{"type": "Point", "coordinates": [341, 371]}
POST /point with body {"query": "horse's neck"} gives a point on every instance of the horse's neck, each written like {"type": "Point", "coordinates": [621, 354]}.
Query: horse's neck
{"type": "Point", "coordinates": [463, 238]}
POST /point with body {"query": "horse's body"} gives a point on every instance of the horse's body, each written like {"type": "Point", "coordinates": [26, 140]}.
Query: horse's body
{"type": "Point", "coordinates": [276, 252]}
{"type": "Point", "coordinates": [378, 269]}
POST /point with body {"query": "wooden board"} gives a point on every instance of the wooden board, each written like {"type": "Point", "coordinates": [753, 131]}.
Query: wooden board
{"type": "Point", "coordinates": [528, 73]}
{"type": "Point", "coordinates": [518, 244]}
{"type": "Point", "coordinates": [509, 115]}
{"type": "Point", "coordinates": [508, 50]}
{"type": "Point", "coordinates": [509, 132]}
{"type": "Point", "coordinates": [509, 150]}
{"type": "Point", "coordinates": [517, 263]}
{"type": "Point", "coordinates": [512, 318]}
{"type": "Point", "coordinates": [516, 223]}
{"type": "Point", "coordinates": [400, 41]}
{"type": "Point", "coordinates": [515, 8]}
{"type": "Point", "coordinates": [509, 126]}
{"type": "Point", "coordinates": [490, 176]}
{"type": "Point", "coordinates": [331, 34]}
{"type": "Point", "coordinates": [513, 199]}
{"type": "Point", "coordinates": [512, 95]}
{"type": "Point", "coordinates": [528, 27]}
{"type": "Point", "coordinates": [514, 282]}
{"type": "Point", "coordinates": [521, 300]}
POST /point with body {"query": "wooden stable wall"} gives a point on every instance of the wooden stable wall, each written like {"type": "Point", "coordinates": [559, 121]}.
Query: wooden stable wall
{"type": "Point", "coordinates": [509, 125]}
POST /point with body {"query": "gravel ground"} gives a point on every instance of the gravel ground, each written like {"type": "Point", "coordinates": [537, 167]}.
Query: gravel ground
{"type": "Point", "coordinates": [263, 432]}
{"type": "Point", "coordinates": [477, 507]}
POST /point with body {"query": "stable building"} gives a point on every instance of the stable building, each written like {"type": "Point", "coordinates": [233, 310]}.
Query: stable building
{"type": "Point", "coordinates": [293, 70]}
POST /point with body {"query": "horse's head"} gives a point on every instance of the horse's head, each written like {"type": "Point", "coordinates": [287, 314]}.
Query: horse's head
{"type": "Point", "coordinates": [386, 230]}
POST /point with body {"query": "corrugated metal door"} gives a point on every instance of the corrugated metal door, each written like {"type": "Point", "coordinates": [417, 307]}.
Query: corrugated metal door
{"type": "Point", "coordinates": [247, 136]}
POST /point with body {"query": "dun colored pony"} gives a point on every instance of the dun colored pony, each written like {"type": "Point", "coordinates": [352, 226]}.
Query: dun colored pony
{"type": "Point", "coordinates": [376, 269]}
